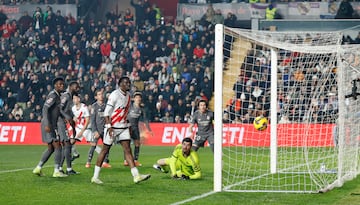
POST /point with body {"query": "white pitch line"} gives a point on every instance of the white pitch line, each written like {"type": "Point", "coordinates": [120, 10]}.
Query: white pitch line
{"type": "Point", "coordinates": [194, 198]}
{"type": "Point", "coordinates": [18, 170]}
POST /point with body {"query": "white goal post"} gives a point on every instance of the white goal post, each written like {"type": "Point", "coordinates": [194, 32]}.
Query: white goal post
{"type": "Point", "coordinates": [306, 85]}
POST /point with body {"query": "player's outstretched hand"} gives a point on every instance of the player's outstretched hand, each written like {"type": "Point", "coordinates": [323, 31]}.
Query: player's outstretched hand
{"type": "Point", "coordinates": [184, 177]}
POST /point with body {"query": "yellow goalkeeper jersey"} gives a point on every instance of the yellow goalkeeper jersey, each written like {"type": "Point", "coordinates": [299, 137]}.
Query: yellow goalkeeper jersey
{"type": "Point", "coordinates": [189, 166]}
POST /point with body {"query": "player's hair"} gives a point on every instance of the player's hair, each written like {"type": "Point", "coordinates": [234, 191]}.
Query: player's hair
{"type": "Point", "coordinates": [57, 79]}
{"type": "Point", "coordinates": [205, 101]}
{"type": "Point", "coordinates": [123, 78]}
{"type": "Point", "coordinates": [97, 91]}
{"type": "Point", "coordinates": [187, 139]}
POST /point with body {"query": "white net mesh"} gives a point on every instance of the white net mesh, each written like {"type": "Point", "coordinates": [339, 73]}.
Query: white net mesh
{"type": "Point", "coordinates": [308, 144]}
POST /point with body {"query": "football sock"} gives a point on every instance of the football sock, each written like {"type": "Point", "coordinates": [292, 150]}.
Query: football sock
{"type": "Point", "coordinates": [134, 171]}
{"type": "Point", "coordinates": [96, 171]}
{"type": "Point", "coordinates": [68, 155]}
{"type": "Point", "coordinates": [91, 153]}
{"type": "Point", "coordinates": [136, 153]}
{"type": "Point", "coordinates": [57, 157]}
{"type": "Point", "coordinates": [62, 157]}
{"type": "Point", "coordinates": [45, 156]}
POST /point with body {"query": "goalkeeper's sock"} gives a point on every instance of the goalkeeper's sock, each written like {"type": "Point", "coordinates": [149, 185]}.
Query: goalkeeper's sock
{"type": "Point", "coordinates": [97, 172]}
{"type": "Point", "coordinates": [134, 171]}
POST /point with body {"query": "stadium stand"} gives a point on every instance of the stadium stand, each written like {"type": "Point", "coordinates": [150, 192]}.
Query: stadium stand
{"type": "Point", "coordinates": [170, 63]}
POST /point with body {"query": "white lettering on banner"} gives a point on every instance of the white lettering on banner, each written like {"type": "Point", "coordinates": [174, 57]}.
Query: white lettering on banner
{"type": "Point", "coordinates": [18, 133]}
{"type": "Point", "coordinates": [173, 134]}
{"type": "Point", "coordinates": [233, 135]}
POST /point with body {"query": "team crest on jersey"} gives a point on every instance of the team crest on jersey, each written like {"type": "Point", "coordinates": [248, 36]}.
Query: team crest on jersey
{"type": "Point", "coordinates": [63, 100]}
{"type": "Point", "coordinates": [49, 101]}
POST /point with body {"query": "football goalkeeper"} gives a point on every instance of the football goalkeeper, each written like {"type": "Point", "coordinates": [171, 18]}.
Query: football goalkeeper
{"type": "Point", "coordinates": [183, 164]}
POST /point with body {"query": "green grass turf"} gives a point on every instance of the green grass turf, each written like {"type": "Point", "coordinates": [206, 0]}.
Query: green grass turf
{"type": "Point", "coordinates": [19, 186]}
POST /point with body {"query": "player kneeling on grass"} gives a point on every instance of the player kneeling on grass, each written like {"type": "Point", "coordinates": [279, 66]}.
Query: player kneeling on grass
{"type": "Point", "coordinates": [183, 164]}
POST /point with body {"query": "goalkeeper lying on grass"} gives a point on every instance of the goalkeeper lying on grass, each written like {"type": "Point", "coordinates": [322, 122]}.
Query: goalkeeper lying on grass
{"type": "Point", "coordinates": [183, 164]}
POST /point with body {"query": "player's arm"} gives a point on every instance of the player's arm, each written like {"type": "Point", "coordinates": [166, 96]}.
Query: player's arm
{"type": "Point", "coordinates": [109, 108]}
{"type": "Point", "coordinates": [173, 159]}
{"type": "Point", "coordinates": [190, 130]}
{"type": "Point", "coordinates": [192, 122]}
{"type": "Point", "coordinates": [195, 165]}
{"type": "Point", "coordinates": [45, 111]}
{"type": "Point", "coordinates": [93, 117]}
{"type": "Point", "coordinates": [64, 100]}
{"type": "Point", "coordinates": [145, 119]}
{"type": "Point", "coordinates": [87, 122]}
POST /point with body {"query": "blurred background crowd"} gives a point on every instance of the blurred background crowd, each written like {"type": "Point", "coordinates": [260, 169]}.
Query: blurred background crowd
{"type": "Point", "coordinates": [171, 63]}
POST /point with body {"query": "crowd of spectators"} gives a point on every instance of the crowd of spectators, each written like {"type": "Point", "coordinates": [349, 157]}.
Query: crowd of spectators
{"type": "Point", "coordinates": [171, 64]}
{"type": "Point", "coordinates": [307, 88]}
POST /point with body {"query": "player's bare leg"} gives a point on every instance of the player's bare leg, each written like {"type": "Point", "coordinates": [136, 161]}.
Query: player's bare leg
{"type": "Point", "coordinates": [130, 159]}
{"type": "Point", "coordinates": [104, 151]}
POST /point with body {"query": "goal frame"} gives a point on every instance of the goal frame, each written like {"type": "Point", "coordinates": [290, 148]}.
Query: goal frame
{"type": "Point", "coordinates": [218, 112]}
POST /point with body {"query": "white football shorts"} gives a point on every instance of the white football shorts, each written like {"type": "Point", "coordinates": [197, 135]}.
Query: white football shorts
{"type": "Point", "coordinates": [118, 135]}
{"type": "Point", "coordinates": [88, 135]}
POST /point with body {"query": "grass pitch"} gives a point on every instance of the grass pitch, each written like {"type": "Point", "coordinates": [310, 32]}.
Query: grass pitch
{"type": "Point", "coordinates": [19, 186]}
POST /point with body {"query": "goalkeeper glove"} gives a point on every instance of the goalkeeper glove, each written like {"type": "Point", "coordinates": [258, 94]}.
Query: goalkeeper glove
{"type": "Point", "coordinates": [184, 177]}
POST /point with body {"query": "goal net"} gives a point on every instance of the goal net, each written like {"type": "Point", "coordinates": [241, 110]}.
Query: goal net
{"type": "Point", "coordinates": [306, 85]}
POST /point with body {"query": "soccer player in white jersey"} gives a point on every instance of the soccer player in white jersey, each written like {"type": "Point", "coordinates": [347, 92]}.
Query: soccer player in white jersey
{"type": "Point", "coordinates": [82, 120]}
{"type": "Point", "coordinates": [117, 130]}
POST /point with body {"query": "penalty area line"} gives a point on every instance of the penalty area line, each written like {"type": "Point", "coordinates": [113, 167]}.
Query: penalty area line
{"type": "Point", "coordinates": [194, 198]}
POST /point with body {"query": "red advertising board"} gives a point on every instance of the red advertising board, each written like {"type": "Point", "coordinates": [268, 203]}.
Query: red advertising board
{"type": "Point", "coordinates": [168, 134]}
